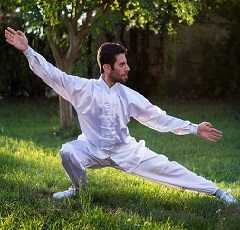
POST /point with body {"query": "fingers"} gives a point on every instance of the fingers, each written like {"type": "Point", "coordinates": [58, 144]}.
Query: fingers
{"type": "Point", "coordinates": [214, 135]}
{"type": "Point", "coordinates": [9, 34]}
{"type": "Point", "coordinates": [208, 124]}
{"type": "Point", "coordinates": [11, 30]}
{"type": "Point", "coordinates": [9, 37]}
{"type": "Point", "coordinates": [211, 140]}
{"type": "Point", "coordinates": [207, 132]}
{"type": "Point", "coordinates": [16, 39]}
{"type": "Point", "coordinates": [20, 33]}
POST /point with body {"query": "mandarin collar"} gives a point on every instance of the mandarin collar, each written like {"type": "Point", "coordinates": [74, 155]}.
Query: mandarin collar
{"type": "Point", "coordinates": [105, 87]}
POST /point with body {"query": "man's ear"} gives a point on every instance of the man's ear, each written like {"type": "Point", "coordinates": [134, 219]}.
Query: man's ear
{"type": "Point", "coordinates": [107, 68]}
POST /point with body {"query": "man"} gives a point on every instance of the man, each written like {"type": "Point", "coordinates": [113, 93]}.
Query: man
{"type": "Point", "coordinates": [104, 108]}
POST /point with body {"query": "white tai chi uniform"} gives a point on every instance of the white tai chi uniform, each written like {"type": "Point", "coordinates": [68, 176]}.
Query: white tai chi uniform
{"type": "Point", "coordinates": [103, 115]}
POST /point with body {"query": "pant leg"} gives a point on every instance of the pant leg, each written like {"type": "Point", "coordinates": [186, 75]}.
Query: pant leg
{"type": "Point", "coordinates": [159, 169]}
{"type": "Point", "coordinates": [76, 158]}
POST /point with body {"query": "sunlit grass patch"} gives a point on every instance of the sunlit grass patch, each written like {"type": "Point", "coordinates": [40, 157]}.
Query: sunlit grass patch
{"type": "Point", "coordinates": [31, 171]}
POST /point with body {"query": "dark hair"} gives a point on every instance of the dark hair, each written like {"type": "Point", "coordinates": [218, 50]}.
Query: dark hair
{"type": "Point", "coordinates": [107, 54]}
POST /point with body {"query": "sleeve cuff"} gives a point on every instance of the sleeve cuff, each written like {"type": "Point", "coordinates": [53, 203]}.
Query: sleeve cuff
{"type": "Point", "coordinates": [28, 52]}
{"type": "Point", "coordinates": [193, 128]}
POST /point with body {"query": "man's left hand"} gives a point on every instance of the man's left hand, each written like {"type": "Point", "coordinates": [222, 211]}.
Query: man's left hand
{"type": "Point", "coordinates": [207, 132]}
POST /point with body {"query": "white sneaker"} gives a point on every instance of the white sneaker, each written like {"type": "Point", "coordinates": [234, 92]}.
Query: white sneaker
{"type": "Point", "coordinates": [228, 198]}
{"type": "Point", "coordinates": [71, 192]}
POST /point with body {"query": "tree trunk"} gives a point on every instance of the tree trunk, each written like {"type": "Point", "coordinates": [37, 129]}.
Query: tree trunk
{"type": "Point", "coordinates": [73, 34]}
{"type": "Point", "coordinates": [65, 113]}
{"type": "Point", "coordinates": [65, 107]}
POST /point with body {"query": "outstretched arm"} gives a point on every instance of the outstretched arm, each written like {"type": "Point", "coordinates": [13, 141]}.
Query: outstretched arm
{"type": "Point", "coordinates": [16, 39]}
{"type": "Point", "coordinates": [207, 132]}
{"type": "Point", "coordinates": [62, 83]}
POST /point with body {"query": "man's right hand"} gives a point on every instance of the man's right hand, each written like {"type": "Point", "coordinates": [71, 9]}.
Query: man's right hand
{"type": "Point", "coordinates": [16, 39]}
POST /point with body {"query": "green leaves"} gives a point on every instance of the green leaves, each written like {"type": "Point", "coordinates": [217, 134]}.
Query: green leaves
{"type": "Point", "coordinates": [154, 13]}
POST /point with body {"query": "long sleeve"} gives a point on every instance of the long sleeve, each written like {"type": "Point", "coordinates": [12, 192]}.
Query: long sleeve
{"type": "Point", "coordinates": [155, 118]}
{"type": "Point", "coordinates": [158, 119]}
{"type": "Point", "coordinates": [62, 83]}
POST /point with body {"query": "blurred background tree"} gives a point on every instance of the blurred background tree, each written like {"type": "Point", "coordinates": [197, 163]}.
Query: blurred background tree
{"type": "Point", "coordinates": [166, 55]}
{"type": "Point", "coordinates": [223, 57]}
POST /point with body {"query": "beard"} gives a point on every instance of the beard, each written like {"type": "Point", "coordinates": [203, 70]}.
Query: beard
{"type": "Point", "coordinates": [119, 78]}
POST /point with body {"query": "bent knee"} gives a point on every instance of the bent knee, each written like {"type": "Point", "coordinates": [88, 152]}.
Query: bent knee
{"type": "Point", "coordinates": [65, 155]}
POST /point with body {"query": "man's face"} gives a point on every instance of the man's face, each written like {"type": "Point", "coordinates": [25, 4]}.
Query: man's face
{"type": "Point", "coordinates": [119, 73]}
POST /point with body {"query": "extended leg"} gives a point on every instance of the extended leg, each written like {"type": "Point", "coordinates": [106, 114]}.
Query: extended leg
{"type": "Point", "coordinates": [159, 169]}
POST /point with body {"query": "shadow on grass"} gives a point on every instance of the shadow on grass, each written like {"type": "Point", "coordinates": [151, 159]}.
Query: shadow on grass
{"type": "Point", "coordinates": [194, 211]}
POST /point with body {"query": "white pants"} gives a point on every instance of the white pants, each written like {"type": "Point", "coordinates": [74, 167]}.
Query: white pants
{"type": "Point", "coordinates": [153, 167]}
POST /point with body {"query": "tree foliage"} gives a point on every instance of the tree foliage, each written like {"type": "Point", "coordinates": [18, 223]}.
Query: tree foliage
{"type": "Point", "coordinates": [72, 27]}
{"type": "Point", "coordinates": [67, 23]}
{"type": "Point", "coordinates": [152, 14]}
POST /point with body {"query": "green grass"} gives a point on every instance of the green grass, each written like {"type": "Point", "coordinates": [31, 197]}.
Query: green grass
{"type": "Point", "coordinates": [30, 172]}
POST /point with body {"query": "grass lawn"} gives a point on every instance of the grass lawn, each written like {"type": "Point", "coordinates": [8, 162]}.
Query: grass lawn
{"type": "Point", "coordinates": [31, 171]}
